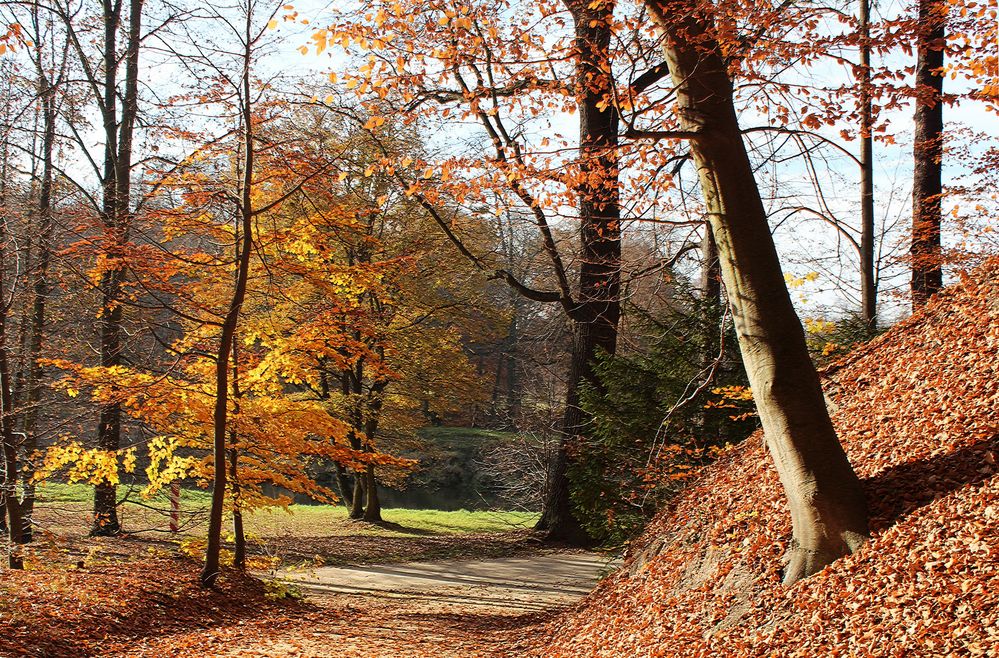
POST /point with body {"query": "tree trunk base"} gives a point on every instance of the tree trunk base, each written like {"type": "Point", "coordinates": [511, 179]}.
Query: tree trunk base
{"type": "Point", "coordinates": [566, 531]}
{"type": "Point", "coordinates": [106, 522]}
{"type": "Point", "coordinates": [802, 562]}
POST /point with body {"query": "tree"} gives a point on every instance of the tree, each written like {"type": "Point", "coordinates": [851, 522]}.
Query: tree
{"type": "Point", "coordinates": [927, 152]}
{"type": "Point", "coordinates": [827, 504]}
{"type": "Point", "coordinates": [661, 412]}
{"type": "Point", "coordinates": [868, 281]}
{"type": "Point", "coordinates": [372, 315]}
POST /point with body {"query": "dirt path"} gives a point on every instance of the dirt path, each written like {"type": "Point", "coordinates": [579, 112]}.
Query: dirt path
{"type": "Point", "coordinates": [447, 609]}
{"type": "Point", "coordinates": [509, 585]}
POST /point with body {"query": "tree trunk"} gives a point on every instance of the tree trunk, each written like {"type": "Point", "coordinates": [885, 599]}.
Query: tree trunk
{"type": "Point", "coordinates": [244, 240]}
{"type": "Point", "coordinates": [357, 499]}
{"type": "Point", "coordinates": [927, 153]}
{"type": "Point", "coordinates": [346, 488]}
{"type": "Point", "coordinates": [828, 510]}
{"type": "Point", "coordinates": [12, 506]}
{"type": "Point", "coordinates": [117, 217]}
{"type": "Point", "coordinates": [40, 294]}
{"type": "Point", "coordinates": [710, 317]}
{"type": "Point", "coordinates": [239, 537]}
{"type": "Point", "coordinates": [373, 509]}
{"type": "Point", "coordinates": [868, 279]}
{"type": "Point", "coordinates": [596, 316]}
{"type": "Point", "coordinates": [15, 520]}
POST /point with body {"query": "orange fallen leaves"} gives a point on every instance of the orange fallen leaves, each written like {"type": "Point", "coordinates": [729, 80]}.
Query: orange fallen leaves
{"type": "Point", "coordinates": [918, 412]}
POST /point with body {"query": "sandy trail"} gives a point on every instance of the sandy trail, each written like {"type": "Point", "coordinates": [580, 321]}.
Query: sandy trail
{"type": "Point", "coordinates": [520, 584]}
{"type": "Point", "coordinates": [482, 608]}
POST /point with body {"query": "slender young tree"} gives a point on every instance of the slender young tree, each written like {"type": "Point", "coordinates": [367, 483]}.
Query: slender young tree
{"type": "Point", "coordinates": [868, 279]}
{"type": "Point", "coordinates": [50, 76]}
{"type": "Point", "coordinates": [8, 246]}
{"type": "Point", "coordinates": [245, 213]}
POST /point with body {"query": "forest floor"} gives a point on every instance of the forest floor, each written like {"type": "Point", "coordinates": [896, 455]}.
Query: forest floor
{"type": "Point", "coordinates": [354, 589]}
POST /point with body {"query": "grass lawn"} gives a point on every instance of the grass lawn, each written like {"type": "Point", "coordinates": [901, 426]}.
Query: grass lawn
{"type": "Point", "coordinates": [65, 507]}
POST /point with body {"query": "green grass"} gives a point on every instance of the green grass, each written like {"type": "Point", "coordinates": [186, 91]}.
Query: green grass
{"type": "Point", "coordinates": [60, 492]}
{"type": "Point", "coordinates": [464, 435]}
{"type": "Point", "coordinates": [325, 520]}
{"type": "Point", "coordinates": [67, 506]}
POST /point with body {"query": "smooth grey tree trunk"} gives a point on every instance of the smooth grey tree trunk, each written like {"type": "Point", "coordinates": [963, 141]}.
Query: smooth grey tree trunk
{"type": "Point", "coordinates": [828, 510]}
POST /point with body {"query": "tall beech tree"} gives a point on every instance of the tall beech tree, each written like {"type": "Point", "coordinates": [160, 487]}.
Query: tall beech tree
{"type": "Point", "coordinates": [597, 310]}
{"type": "Point", "coordinates": [107, 65]}
{"type": "Point", "coordinates": [927, 151]}
{"type": "Point", "coordinates": [828, 510]}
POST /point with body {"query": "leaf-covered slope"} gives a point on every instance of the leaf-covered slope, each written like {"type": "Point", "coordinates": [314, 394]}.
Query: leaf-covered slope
{"type": "Point", "coordinates": [918, 412]}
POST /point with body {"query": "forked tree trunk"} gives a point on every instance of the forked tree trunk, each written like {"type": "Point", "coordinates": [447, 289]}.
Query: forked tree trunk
{"type": "Point", "coordinates": [596, 317]}
{"type": "Point", "coordinates": [927, 153]}
{"type": "Point", "coordinates": [118, 132]}
{"type": "Point", "coordinates": [828, 511]}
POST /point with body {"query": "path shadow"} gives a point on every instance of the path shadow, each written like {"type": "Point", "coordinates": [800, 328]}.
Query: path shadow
{"type": "Point", "coordinates": [902, 489]}
{"type": "Point", "coordinates": [156, 614]}
{"type": "Point", "coordinates": [481, 622]}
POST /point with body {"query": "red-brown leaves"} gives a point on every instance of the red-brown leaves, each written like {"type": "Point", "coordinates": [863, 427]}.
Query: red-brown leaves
{"type": "Point", "coordinates": [918, 412]}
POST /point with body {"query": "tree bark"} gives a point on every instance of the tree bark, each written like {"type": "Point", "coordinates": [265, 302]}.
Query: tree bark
{"type": "Point", "coordinates": [828, 509]}
{"type": "Point", "coordinates": [596, 315]}
{"type": "Point", "coordinates": [244, 240]}
{"type": "Point", "coordinates": [351, 387]}
{"type": "Point", "coordinates": [927, 153]}
{"type": "Point", "coordinates": [14, 525]}
{"type": "Point", "coordinates": [868, 278]}
{"type": "Point", "coordinates": [40, 293]}
{"type": "Point", "coordinates": [344, 485]}
{"type": "Point", "coordinates": [373, 509]}
{"type": "Point", "coordinates": [239, 537]}
{"type": "Point", "coordinates": [15, 521]}
{"type": "Point", "coordinates": [118, 132]}
{"type": "Point", "coordinates": [357, 499]}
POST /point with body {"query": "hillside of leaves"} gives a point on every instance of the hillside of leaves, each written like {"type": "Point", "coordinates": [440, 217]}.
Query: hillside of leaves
{"type": "Point", "coordinates": [918, 412]}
